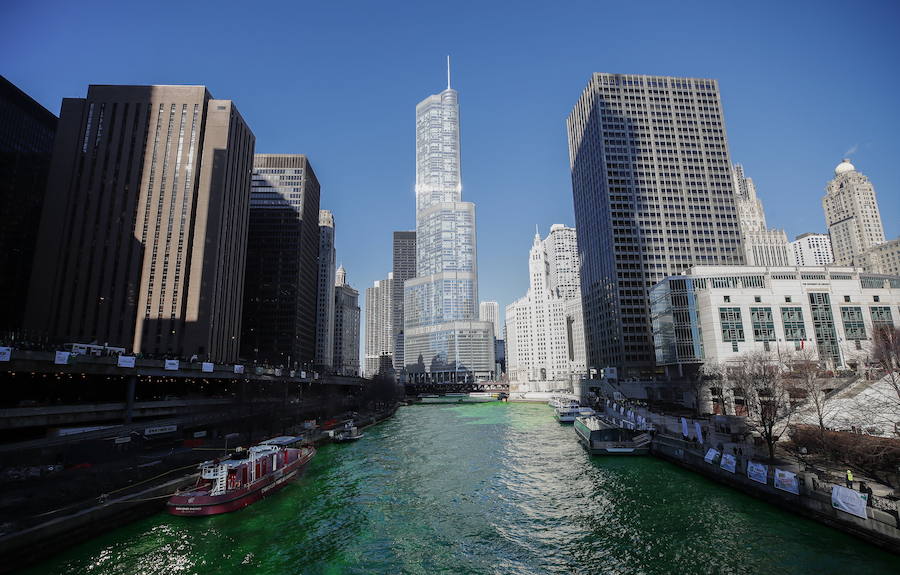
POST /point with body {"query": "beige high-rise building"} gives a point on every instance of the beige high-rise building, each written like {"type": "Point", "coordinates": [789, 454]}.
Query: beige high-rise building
{"type": "Point", "coordinates": [379, 315]}
{"type": "Point", "coordinates": [143, 237]}
{"type": "Point", "coordinates": [851, 214]}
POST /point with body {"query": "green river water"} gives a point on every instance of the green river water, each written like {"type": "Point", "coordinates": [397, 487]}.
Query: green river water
{"type": "Point", "coordinates": [484, 488]}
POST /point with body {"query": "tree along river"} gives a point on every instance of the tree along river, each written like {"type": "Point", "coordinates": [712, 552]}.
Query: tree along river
{"type": "Point", "coordinates": [483, 488]}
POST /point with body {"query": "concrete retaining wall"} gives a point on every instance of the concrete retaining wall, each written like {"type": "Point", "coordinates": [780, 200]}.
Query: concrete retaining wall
{"type": "Point", "coordinates": [881, 528]}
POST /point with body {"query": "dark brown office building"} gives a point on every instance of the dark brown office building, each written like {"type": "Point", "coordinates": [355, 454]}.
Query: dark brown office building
{"type": "Point", "coordinates": [282, 262]}
{"type": "Point", "coordinates": [144, 229]}
{"type": "Point", "coordinates": [26, 145]}
{"type": "Point", "coordinates": [404, 269]}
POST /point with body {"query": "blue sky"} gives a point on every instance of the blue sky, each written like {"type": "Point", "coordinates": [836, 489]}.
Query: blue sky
{"type": "Point", "coordinates": [803, 84]}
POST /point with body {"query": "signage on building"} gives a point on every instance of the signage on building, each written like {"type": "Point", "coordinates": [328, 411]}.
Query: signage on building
{"type": "Point", "coordinates": [207, 367]}
{"type": "Point", "coordinates": [786, 481]}
{"type": "Point", "coordinates": [699, 431]}
{"type": "Point", "coordinates": [729, 463]}
{"type": "Point", "coordinates": [239, 369]}
{"type": "Point", "coordinates": [849, 501]}
{"type": "Point", "coordinates": [172, 364]}
{"type": "Point", "coordinates": [121, 440]}
{"type": "Point", "coordinates": [160, 429]}
{"type": "Point", "coordinates": [5, 353]}
{"type": "Point", "coordinates": [684, 427]}
{"type": "Point", "coordinates": [62, 358]}
{"type": "Point", "coordinates": [199, 434]}
{"type": "Point", "coordinates": [125, 361]}
{"type": "Point", "coordinates": [757, 471]}
{"type": "Point", "coordinates": [711, 455]}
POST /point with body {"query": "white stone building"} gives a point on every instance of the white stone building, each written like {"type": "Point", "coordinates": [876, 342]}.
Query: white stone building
{"type": "Point", "coordinates": [851, 214]}
{"type": "Point", "coordinates": [762, 246]}
{"type": "Point", "coordinates": [714, 314]}
{"type": "Point", "coordinates": [811, 249]}
{"type": "Point", "coordinates": [545, 329]}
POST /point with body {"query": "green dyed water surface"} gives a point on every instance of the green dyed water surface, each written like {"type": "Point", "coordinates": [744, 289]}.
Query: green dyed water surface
{"type": "Point", "coordinates": [483, 488]}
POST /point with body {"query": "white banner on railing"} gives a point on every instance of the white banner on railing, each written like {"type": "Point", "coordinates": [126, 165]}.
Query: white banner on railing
{"type": "Point", "coordinates": [62, 357]}
{"type": "Point", "coordinates": [207, 367]}
{"type": "Point", "coordinates": [238, 369]}
{"type": "Point", "coordinates": [172, 364]}
{"type": "Point", "coordinates": [849, 501]}
{"type": "Point", "coordinates": [711, 455]}
{"type": "Point", "coordinates": [786, 481]}
{"type": "Point", "coordinates": [757, 471]}
{"type": "Point", "coordinates": [699, 431]}
{"type": "Point", "coordinates": [684, 426]}
{"type": "Point", "coordinates": [729, 463]}
{"type": "Point", "coordinates": [5, 353]}
{"type": "Point", "coordinates": [125, 361]}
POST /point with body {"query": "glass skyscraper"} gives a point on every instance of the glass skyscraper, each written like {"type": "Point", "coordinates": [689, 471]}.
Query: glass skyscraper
{"type": "Point", "coordinates": [444, 340]}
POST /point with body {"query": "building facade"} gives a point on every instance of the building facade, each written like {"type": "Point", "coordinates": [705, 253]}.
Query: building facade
{"type": "Point", "coordinates": [404, 264]}
{"type": "Point", "coordinates": [851, 214]}
{"type": "Point", "coordinates": [345, 359]}
{"type": "Point", "coordinates": [280, 299]}
{"type": "Point", "coordinates": [812, 249]}
{"type": "Point", "coordinates": [653, 194]}
{"type": "Point", "coordinates": [882, 258]}
{"type": "Point", "coordinates": [27, 131]}
{"type": "Point", "coordinates": [717, 314]}
{"type": "Point", "coordinates": [762, 246]}
{"type": "Point", "coordinates": [379, 325]}
{"type": "Point", "coordinates": [143, 244]}
{"type": "Point", "coordinates": [325, 292]}
{"type": "Point", "coordinates": [443, 339]}
{"type": "Point", "coordinates": [490, 311]}
{"type": "Point", "coordinates": [544, 329]}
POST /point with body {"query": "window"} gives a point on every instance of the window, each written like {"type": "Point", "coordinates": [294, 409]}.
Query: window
{"type": "Point", "coordinates": [787, 299]}
{"type": "Point", "coordinates": [876, 298]}
{"type": "Point", "coordinates": [728, 299]}
{"type": "Point", "coordinates": [732, 326]}
{"type": "Point", "coordinates": [757, 299]}
{"type": "Point", "coordinates": [794, 327]}
{"type": "Point", "coordinates": [847, 298]}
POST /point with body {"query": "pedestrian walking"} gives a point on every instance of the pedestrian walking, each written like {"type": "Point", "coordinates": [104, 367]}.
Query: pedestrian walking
{"type": "Point", "coordinates": [849, 479]}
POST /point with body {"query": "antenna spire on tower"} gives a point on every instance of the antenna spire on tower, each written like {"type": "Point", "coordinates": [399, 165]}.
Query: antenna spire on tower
{"type": "Point", "coordinates": [448, 71]}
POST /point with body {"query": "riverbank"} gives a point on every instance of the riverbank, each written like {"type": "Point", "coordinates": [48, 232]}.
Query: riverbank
{"type": "Point", "coordinates": [90, 519]}
{"type": "Point", "coordinates": [813, 498]}
{"type": "Point", "coordinates": [718, 448]}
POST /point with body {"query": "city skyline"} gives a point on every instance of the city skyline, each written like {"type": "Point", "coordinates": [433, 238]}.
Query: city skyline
{"type": "Point", "coordinates": [790, 151]}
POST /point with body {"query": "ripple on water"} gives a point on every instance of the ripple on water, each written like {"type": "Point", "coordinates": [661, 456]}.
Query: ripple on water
{"type": "Point", "coordinates": [487, 488]}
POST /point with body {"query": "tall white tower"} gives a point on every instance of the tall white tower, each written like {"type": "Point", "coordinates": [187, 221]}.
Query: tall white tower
{"type": "Point", "coordinates": [545, 329]}
{"type": "Point", "coordinates": [851, 214]}
{"type": "Point", "coordinates": [443, 339]}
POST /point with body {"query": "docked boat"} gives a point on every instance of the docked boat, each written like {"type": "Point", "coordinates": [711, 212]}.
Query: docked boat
{"type": "Point", "coordinates": [244, 477]}
{"type": "Point", "coordinates": [600, 437]}
{"type": "Point", "coordinates": [568, 413]}
{"type": "Point", "coordinates": [347, 434]}
{"type": "Point", "coordinates": [474, 397]}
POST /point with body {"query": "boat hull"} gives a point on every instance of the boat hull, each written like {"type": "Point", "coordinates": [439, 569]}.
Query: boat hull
{"type": "Point", "coordinates": [595, 445]}
{"type": "Point", "coordinates": [192, 504]}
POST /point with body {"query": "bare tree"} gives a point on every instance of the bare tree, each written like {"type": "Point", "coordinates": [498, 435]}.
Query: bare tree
{"type": "Point", "coordinates": [769, 398]}
{"type": "Point", "coordinates": [810, 385]}
{"type": "Point", "coordinates": [886, 354]}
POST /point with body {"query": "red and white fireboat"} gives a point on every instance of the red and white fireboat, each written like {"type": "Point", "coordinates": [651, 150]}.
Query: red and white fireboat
{"type": "Point", "coordinates": [245, 477]}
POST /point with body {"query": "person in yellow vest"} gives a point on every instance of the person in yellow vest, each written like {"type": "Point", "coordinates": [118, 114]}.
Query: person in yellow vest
{"type": "Point", "coordinates": [849, 479]}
